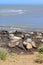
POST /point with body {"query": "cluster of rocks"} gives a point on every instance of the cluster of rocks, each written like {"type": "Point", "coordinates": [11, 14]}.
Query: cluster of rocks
{"type": "Point", "coordinates": [22, 40]}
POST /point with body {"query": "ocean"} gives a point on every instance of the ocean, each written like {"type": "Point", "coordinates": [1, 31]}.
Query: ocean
{"type": "Point", "coordinates": [30, 16]}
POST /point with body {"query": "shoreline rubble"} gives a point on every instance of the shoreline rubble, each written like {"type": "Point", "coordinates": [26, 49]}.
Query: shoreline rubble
{"type": "Point", "coordinates": [19, 39]}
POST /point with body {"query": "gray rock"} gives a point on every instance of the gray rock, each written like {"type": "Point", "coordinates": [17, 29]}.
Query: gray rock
{"type": "Point", "coordinates": [27, 35]}
{"type": "Point", "coordinates": [29, 40]}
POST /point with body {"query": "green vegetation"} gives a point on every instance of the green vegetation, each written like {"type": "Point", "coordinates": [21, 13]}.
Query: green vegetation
{"type": "Point", "coordinates": [13, 54]}
{"type": "Point", "coordinates": [40, 53]}
{"type": "Point", "coordinates": [3, 54]}
{"type": "Point", "coordinates": [40, 49]}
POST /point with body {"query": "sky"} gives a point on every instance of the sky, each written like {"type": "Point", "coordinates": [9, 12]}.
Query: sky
{"type": "Point", "coordinates": [21, 2]}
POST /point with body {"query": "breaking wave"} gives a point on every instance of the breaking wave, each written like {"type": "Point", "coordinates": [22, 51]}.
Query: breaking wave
{"type": "Point", "coordinates": [11, 12]}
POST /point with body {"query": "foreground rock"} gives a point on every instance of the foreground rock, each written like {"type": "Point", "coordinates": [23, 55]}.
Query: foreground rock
{"type": "Point", "coordinates": [20, 40]}
{"type": "Point", "coordinates": [33, 44]}
{"type": "Point", "coordinates": [28, 45]}
{"type": "Point", "coordinates": [14, 41]}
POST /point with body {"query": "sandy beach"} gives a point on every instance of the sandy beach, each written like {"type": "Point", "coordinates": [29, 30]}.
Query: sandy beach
{"type": "Point", "coordinates": [20, 60]}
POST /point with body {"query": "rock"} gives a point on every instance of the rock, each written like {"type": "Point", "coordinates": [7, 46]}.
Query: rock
{"type": "Point", "coordinates": [27, 35]}
{"type": "Point", "coordinates": [22, 52]}
{"type": "Point", "coordinates": [11, 36]}
{"type": "Point", "coordinates": [21, 35]}
{"type": "Point", "coordinates": [14, 41]}
{"type": "Point", "coordinates": [30, 32]}
{"type": "Point", "coordinates": [4, 32]}
{"type": "Point", "coordinates": [12, 31]}
{"type": "Point", "coordinates": [18, 32]}
{"type": "Point", "coordinates": [27, 44]}
{"type": "Point", "coordinates": [13, 44]}
{"type": "Point", "coordinates": [33, 44]}
{"type": "Point", "coordinates": [20, 45]}
{"type": "Point", "coordinates": [39, 33]}
{"type": "Point", "coordinates": [14, 37]}
{"type": "Point", "coordinates": [29, 40]}
{"type": "Point", "coordinates": [38, 37]}
{"type": "Point", "coordinates": [41, 40]}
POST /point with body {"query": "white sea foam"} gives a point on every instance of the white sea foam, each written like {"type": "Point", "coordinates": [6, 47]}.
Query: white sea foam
{"type": "Point", "coordinates": [11, 12]}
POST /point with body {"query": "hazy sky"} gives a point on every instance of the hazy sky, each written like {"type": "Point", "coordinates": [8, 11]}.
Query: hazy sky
{"type": "Point", "coordinates": [21, 1]}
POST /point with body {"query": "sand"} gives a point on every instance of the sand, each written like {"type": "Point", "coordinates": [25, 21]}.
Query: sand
{"type": "Point", "coordinates": [20, 60]}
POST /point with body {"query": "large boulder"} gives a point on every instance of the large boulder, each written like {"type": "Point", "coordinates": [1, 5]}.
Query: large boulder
{"type": "Point", "coordinates": [27, 44]}
{"type": "Point", "coordinates": [13, 44]}
{"type": "Point", "coordinates": [33, 44]}
{"type": "Point", "coordinates": [14, 41]}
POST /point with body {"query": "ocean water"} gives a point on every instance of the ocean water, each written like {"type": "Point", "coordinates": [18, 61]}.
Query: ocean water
{"type": "Point", "coordinates": [21, 15]}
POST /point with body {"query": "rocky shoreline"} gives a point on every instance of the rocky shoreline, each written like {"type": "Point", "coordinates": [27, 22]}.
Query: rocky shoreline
{"type": "Point", "coordinates": [19, 41]}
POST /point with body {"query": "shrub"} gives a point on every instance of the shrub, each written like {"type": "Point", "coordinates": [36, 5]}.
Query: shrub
{"type": "Point", "coordinates": [40, 54]}
{"type": "Point", "coordinates": [40, 49]}
{"type": "Point", "coordinates": [3, 54]}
